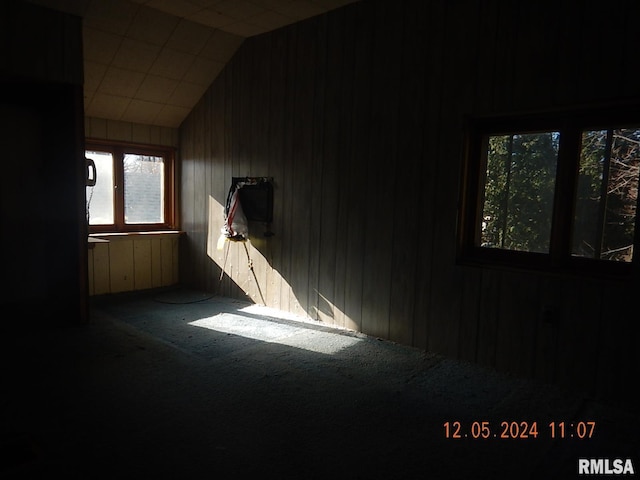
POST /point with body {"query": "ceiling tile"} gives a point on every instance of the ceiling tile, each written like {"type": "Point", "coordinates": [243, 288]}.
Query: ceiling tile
{"type": "Point", "coordinates": [152, 26]}
{"type": "Point", "coordinates": [210, 18]}
{"type": "Point", "coordinates": [107, 106]}
{"type": "Point", "coordinates": [172, 116]}
{"type": "Point", "coordinates": [172, 64]}
{"type": "Point", "coordinates": [93, 74]}
{"type": "Point", "coordinates": [151, 60]}
{"type": "Point", "coordinates": [140, 111]}
{"type": "Point", "coordinates": [186, 95]}
{"type": "Point", "coordinates": [238, 9]}
{"type": "Point", "coordinates": [300, 9]}
{"type": "Point", "coordinates": [113, 16]}
{"type": "Point", "coordinates": [156, 89]}
{"type": "Point", "coordinates": [270, 20]}
{"type": "Point", "coordinates": [99, 46]}
{"type": "Point", "coordinates": [221, 46]}
{"type": "Point", "coordinates": [189, 37]}
{"type": "Point", "coordinates": [121, 82]}
{"type": "Point", "coordinates": [203, 71]}
{"type": "Point", "coordinates": [179, 8]}
{"type": "Point", "coordinates": [135, 55]}
{"type": "Point", "coordinates": [245, 29]}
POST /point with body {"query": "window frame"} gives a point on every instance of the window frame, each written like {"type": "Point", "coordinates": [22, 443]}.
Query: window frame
{"type": "Point", "coordinates": [118, 150]}
{"type": "Point", "coordinates": [570, 124]}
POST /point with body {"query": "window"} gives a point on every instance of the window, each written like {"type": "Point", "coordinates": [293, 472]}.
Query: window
{"type": "Point", "coordinates": [133, 188]}
{"type": "Point", "coordinates": [557, 191]}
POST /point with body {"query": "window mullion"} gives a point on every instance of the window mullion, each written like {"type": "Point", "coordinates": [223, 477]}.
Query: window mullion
{"type": "Point", "coordinates": [565, 193]}
{"type": "Point", "coordinates": [119, 188]}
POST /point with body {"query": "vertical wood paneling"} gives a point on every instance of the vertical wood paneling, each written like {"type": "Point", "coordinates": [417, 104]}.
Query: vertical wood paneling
{"type": "Point", "coordinates": [200, 197]}
{"type": "Point", "coordinates": [217, 183]}
{"type": "Point", "coordinates": [167, 254]}
{"type": "Point", "coordinates": [230, 252]}
{"type": "Point", "coordinates": [210, 238]}
{"type": "Point", "coordinates": [42, 189]}
{"type": "Point", "coordinates": [259, 160]}
{"type": "Point", "coordinates": [579, 332]}
{"type": "Point", "coordinates": [156, 262]}
{"type": "Point", "coordinates": [533, 67]}
{"type": "Point", "coordinates": [100, 278]}
{"type": "Point", "coordinates": [90, 274]}
{"type": "Point", "coordinates": [457, 100]}
{"type": "Point", "coordinates": [547, 351]}
{"type": "Point", "coordinates": [344, 111]}
{"type": "Point", "coordinates": [190, 252]}
{"type": "Point", "coordinates": [405, 224]}
{"type": "Point", "coordinates": [517, 322]}
{"type": "Point", "coordinates": [276, 121]}
{"type": "Point", "coordinates": [488, 317]}
{"type": "Point", "coordinates": [209, 225]}
{"type": "Point", "coordinates": [136, 262]}
{"type": "Point", "coordinates": [503, 77]}
{"type": "Point", "coordinates": [320, 299]}
{"type": "Point", "coordinates": [301, 183]}
{"type": "Point", "coordinates": [357, 164]}
{"type": "Point", "coordinates": [628, 86]}
{"type": "Point", "coordinates": [288, 234]}
{"type": "Point", "coordinates": [380, 178]}
{"type": "Point", "coordinates": [343, 144]}
{"type": "Point", "coordinates": [142, 267]}
{"type": "Point", "coordinates": [600, 52]}
{"type": "Point", "coordinates": [469, 314]}
{"type": "Point", "coordinates": [41, 44]}
{"type": "Point", "coordinates": [434, 53]}
{"type": "Point", "coordinates": [328, 141]}
{"type": "Point", "coordinates": [242, 98]}
{"type": "Point", "coordinates": [566, 82]}
{"type": "Point", "coordinates": [121, 266]}
{"type": "Point", "coordinates": [617, 342]}
{"type": "Point", "coordinates": [486, 45]}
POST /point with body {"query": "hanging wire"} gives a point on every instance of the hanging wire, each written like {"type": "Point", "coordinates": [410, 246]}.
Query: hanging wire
{"type": "Point", "coordinates": [253, 272]}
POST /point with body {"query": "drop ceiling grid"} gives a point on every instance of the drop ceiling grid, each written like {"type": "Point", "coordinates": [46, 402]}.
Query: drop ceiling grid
{"type": "Point", "coordinates": [146, 66]}
{"type": "Point", "coordinates": [150, 61]}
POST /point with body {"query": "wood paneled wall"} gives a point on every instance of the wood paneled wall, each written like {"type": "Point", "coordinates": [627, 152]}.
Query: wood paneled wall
{"type": "Point", "coordinates": [43, 237]}
{"type": "Point", "coordinates": [126, 263]}
{"type": "Point", "coordinates": [359, 115]}
{"type": "Point", "coordinates": [129, 132]}
{"type": "Point", "coordinates": [132, 262]}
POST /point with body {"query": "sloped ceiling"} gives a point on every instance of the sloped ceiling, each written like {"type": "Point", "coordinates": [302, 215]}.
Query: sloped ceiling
{"type": "Point", "coordinates": [150, 61]}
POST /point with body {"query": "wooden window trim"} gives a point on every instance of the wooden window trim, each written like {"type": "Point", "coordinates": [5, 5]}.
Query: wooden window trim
{"type": "Point", "coordinates": [118, 149]}
{"type": "Point", "coordinates": [559, 259]}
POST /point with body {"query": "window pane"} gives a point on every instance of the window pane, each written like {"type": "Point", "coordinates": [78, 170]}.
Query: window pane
{"type": "Point", "coordinates": [519, 190]}
{"type": "Point", "coordinates": [100, 210]}
{"type": "Point", "coordinates": [607, 194]}
{"type": "Point", "coordinates": [143, 189]}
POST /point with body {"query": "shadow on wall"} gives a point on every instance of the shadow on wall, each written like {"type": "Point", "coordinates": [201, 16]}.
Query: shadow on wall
{"type": "Point", "coordinates": [248, 269]}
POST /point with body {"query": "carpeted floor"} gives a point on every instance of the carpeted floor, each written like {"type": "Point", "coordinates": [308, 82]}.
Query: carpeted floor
{"type": "Point", "coordinates": [182, 385]}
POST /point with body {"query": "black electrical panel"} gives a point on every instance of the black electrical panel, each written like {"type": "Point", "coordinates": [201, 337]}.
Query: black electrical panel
{"type": "Point", "coordinates": [256, 197]}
